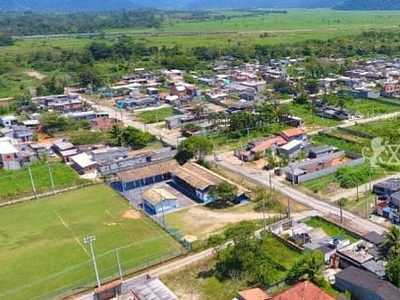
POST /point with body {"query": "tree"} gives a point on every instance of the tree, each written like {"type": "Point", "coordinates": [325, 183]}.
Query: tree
{"type": "Point", "coordinates": [53, 122]}
{"type": "Point", "coordinates": [215, 241]}
{"type": "Point", "coordinates": [391, 243]}
{"type": "Point", "coordinates": [240, 232]}
{"type": "Point", "coordinates": [301, 98]}
{"type": "Point", "coordinates": [115, 133]}
{"type": "Point", "coordinates": [223, 193]}
{"type": "Point", "coordinates": [196, 146]}
{"type": "Point", "coordinates": [312, 86]}
{"type": "Point", "coordinates": [341, 203]}
{"type": "Point", "coordinates": [393, 271]}
{"type": "Point", "coordinates": [309, 267]}
{"type": "Point", "coordinates": [135, 138]}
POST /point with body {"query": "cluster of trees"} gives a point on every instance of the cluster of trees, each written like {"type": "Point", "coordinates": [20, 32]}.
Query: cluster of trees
{"type": "Point", "coordinates": [81, 133]}
{"type": "Point", "coordinates": [30, 23]}
{"type": "Point", "coordinates": [247, 259]}
{"type": "Point", "coordinates": [52, 123]}
{"type": "Point", "coordinates": [5, 39]}
{"type": "Point", "coordinates": [129, 136]}
{"type": "Point", "coordinates": [196, 146]}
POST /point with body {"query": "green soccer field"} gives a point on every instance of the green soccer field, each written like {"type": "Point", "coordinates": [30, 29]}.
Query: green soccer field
{"type": "Point", "coordinates": [42, 252]}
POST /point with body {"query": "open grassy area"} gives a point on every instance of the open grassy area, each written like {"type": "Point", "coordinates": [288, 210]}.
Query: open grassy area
{"type": "Point", "coordinates": [17, 184]}
{"type": "Point", "coordinates": [43, 254]}
{"type": "Point", "coordinates": [329, 228]}
{"type": "Point", "coordinates": [304, 112]}
{"type": "Point", "coordinates": [338, 143]}
{"type": "Point", "coordinates": [367, 108]}
{"type": "Point", "coordinates": [201, 282]}
{"type": "Point", "coordinates": [155, 115]}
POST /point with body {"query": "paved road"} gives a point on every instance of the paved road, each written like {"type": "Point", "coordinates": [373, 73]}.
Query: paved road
{"type": "Point", "coordinates": [262, 178]}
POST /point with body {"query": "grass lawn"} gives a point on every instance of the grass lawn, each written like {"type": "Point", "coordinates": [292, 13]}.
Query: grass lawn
{"type": "Point", "coordinates": [329, 228]}
{"type": "Point", "coordinates": [43, 254]}
{"type": "Point", "coordinates": [15, 184]}
{"type": "Point", "coordinates": [368, 108]}
{"type": "Point", "coordinates": [304, 112]}
{"type": "Point", "coordinates": [155, 115]}
{"type": "Point", "coordinates": [338, 143]}
{"type": "Point", "coordinates": [322, 184]}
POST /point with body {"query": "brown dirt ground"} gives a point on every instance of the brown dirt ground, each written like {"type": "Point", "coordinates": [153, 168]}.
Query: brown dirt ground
{"type": "Point", "coordinates": [132, 214]}
{"type": "Point", "coordinates": [35, 74]}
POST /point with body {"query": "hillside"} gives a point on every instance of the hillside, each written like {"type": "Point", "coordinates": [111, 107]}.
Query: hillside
{"type": "Point", "coordinates": [369, 5]}
{"type": "Point", "coordinates": [80, 5]}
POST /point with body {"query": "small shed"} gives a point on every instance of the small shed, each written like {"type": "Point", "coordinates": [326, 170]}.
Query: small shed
{"type": "Point", "coordinates": [158, 200]}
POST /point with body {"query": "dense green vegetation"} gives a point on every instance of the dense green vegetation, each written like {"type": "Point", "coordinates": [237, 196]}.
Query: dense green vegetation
{"type": "Point", "coordinates": [243, 260]}
{"type": "Point", "coordinates": [28, 23]}
{"type": "Point", "coordinates": [42, 242]}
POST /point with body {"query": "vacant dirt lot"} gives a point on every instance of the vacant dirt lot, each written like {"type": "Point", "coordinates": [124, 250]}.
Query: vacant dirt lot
{"type": "Point", "coordinates": [36, 74]}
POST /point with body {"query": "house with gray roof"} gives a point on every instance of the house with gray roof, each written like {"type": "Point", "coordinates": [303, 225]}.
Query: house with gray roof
{"type": "Point", "coordinates": [364, 285]}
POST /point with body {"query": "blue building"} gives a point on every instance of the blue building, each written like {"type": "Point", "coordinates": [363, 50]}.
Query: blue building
{"type": "Point", "coordinates": [159, 201]}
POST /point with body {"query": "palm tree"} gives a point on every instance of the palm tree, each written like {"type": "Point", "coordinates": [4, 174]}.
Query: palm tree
{"type": "Point", "coordinates": [309, 267]}
{"type": "Point", "coordinates": [391, 243]}
{"type": "Point", "coordinates": [116, 133]}
{"type": "Point", "coordinates": [341, 203]}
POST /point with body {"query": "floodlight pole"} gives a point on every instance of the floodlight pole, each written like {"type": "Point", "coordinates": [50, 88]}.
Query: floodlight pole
{"type": "Point", "coordinates": [89, 240]}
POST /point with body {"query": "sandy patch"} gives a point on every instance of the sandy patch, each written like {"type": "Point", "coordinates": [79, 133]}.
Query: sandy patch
{"type": "Point", "coordinates": [210, 221]}
{"type": "Point", "coordinates": [132, 214]}
{"type": "Point", "coordinates": [35, 74]}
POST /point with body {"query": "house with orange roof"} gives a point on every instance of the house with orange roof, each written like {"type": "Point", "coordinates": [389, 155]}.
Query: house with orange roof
{"type": "Point", "coordinates": [303, 290]}
{"type": "Point", "coordinates": [294, 134]}
{"type": "Point", "coordinates": [269, 144]}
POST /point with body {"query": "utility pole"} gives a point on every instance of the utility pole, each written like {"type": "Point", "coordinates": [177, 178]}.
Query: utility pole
{"type": "Point", "coordinates": [32, 182]}
{"type": "Point", "coordinates": [51, 179]}
{"type": "Point", "coordinates": [288, 207]}
{"type": "Point", "coordinates": [270, 183]}
{"type": "Point", "coordinates": [264, 220]}
{"type": "Point", "coordinates": [89, 240]}
{"type": "Point", "coordinates": [292, 175]}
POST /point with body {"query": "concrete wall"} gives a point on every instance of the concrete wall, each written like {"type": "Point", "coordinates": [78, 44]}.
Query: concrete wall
{"type": "Point", "coordinates": [324, 172]}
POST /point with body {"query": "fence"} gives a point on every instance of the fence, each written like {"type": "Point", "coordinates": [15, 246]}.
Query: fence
{"type": "Point", "coordinates": [355, 160]}
{"type": "Point", "coordinates": [356, 133]}
{"type": "Point", "coordinates": [87, 281]}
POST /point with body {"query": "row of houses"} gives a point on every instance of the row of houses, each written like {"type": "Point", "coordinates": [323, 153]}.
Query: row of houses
{"type": "Point", "coordinates": [289, 143]}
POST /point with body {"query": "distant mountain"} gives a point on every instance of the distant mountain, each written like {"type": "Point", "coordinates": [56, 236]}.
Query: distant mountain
{"type": "Point", "coordinates": [84, 5]}
{"type": "Point", "coordinates": [95, 5]}
{"type": "Point", "coordinates": [369, 5]}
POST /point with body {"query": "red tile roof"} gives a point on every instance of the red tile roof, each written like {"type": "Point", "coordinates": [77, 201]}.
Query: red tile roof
{"type": "Point", "coordinates": [305, 290]}
{"type": "Point", "coordinates": [268, 143]}
{"type": "Point", "coordinates": [293, 132]}
{"type": "Point", "coordinates": [254, 294]}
